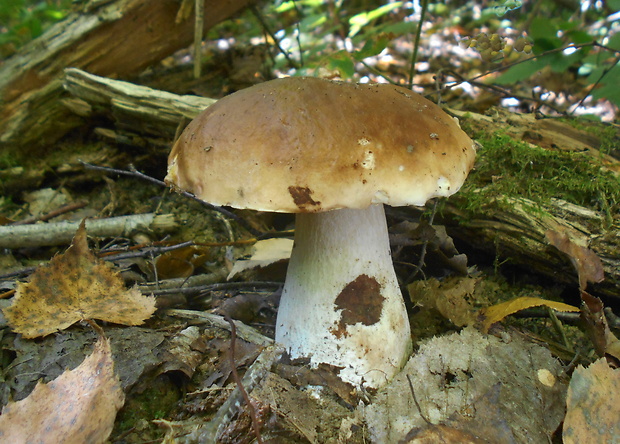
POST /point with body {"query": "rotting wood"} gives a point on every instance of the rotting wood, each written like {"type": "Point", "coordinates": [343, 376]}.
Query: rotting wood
{"type": "Point", "coordinates": [135, 108]}
{"type": "Point", "coordinates": [59, 233]}
{"type": "Point", "coordinates": [547, 133]}
{"type": "Point", "coordinates": [117, 38]}
{"type": "Point", "coordinates": [515, 231]}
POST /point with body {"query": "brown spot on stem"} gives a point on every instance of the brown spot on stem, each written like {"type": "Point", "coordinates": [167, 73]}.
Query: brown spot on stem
{"type": "Point", "coordinates": [360, 301]}
{"type": "Point", "coordinates": [302, 197]}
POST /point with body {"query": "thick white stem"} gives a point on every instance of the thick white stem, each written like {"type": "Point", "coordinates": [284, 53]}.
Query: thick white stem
{"type": "Point", "coordinates": [341, 303]}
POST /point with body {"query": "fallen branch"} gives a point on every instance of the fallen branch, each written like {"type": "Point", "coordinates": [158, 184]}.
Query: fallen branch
{"type": "Point", "coordinates": [136, 108]}
{"type": "Point", "coordinates": [59, 233]}
{"type": "Point", "coordinates": [117, 38]}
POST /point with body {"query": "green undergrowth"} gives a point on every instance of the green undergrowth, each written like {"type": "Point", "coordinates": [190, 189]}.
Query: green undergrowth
{"type": "Point", "coordinates": [507, 169]}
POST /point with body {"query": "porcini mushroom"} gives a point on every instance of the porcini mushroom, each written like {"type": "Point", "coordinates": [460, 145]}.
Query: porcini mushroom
{"type": "Point", "coordinates": [333, 153]}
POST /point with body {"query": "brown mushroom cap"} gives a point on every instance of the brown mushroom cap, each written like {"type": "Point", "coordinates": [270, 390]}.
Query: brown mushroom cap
{"type": "Point", "coordinates": [308, 145]}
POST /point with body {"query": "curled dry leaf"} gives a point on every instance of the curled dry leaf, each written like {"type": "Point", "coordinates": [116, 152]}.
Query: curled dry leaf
{"type": "Point", "coordinates": [588, 265]}
{"type": "Point", "coordinates": [75, 286]}
{"type": "Point", "coordinates": [77, 407]}
{"type": "Point", "coordinates": [490, 315]}
{"type": "Point", "coordinates": [604, 341]}
{"type": "Point", "coordinates": [592, 405]}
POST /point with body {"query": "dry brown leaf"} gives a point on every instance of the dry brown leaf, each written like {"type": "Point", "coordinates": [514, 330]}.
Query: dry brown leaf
{"type": "Point", "coordinates": [75, 286]}
{"type": "Point", "coordinates": [77, 407]}
{"type": "Point", "coordinates": [495, 313]}
{"type": "Point", "coordinates": [588, 265]}
{"type": "Point", "coordinates": [593, 410]}
{"type": "Point", "coordinates": [452, 297]}
{"type": "Point", "coordinates": [439, 433]}
{"type": "Point", "coordinates": [181, 262]}
{"type": "Point", "coordinates": [592, 313]}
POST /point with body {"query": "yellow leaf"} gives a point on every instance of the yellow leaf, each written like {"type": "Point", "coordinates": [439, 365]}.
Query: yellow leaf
{"type": "Point", "coordinates": [496, 313]}
{"type": "Point", "coordinates": [74, 286]}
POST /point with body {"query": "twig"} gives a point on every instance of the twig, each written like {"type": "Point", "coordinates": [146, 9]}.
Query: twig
{"type": "Point", "coordinates": [510, 65]}
{"type": "Point", "coordinates": [595, 84]}
{"type": "Point", "coordinates": [235, 375]}
{"type": "Point", "coordinates": [424, 246]}
{"type": "Point", "coordinates": [415, 400]}
{"type": "Point", "coordinates": [135, 173]}
{"type": "Point", "coordinates": [245, 332]}
{"type": "Point", "coordinates": [262, 22]}
{"type": "Point", "coordinates": [210, 432]}
{"type": "Point", "coordinates": [52, 214]}
{"type": "Point", "coordinates": [211, 287]}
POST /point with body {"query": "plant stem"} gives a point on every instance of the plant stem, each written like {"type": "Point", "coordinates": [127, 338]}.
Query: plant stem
{"type": "Point", "coordinates": [416, 43]}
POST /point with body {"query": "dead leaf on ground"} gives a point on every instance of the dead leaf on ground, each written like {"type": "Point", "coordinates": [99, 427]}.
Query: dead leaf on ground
{"type": "Point", "coordinates": [452, 297]}
{"type": "Point", "coordinates": [79, 406]}
{"type": "Point", "coordinates": [478, 384]}
{"type": "Point", "coordinates": [588, 265]}
{"type": "Point", "coordinates": [72, 287]}
{"type": "Point", "coordinates": [592, 313]}
{"type": "Point", "coordinates": [264, 253]}
{"type": "Point", "coordinates": [490, 315]}
{"type": "Point", "coordinates": [592, 405]}
{"type": "Point", "coordinates": [181, 262]}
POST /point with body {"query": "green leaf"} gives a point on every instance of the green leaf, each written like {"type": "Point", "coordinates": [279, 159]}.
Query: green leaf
{"type": "Point", "coordinates": [342, 62]}
{"type": "Point", "coordinates": [358, 21]}
{"type": "Point", "coordinates": [521, 71]}
{"type": "Point", "coordinates": [372, 47]}
{"type": "Point", "coordinates": [560, 62]}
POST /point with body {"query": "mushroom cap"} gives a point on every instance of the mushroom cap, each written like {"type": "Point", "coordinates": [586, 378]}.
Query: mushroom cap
{"type": "Point", "coordinates": [308, 145]}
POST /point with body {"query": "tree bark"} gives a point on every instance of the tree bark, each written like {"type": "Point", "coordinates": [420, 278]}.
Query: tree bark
{"type": "Point", "coordinates": [116, 39]}
{"type": "Point", "coordinates": [137, 109]}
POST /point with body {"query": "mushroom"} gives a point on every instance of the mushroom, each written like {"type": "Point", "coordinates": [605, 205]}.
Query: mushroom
{"type": "Point", "coordinates": [333, 153]}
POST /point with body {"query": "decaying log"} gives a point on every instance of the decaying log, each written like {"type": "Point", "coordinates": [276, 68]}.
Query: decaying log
{"type": "Point", "coordinates": [141, 110]}
{"type": "Point", "coordinates": [116, 38]}
{"type": "Point", "coordinates": [516, 232]}
{"type": "Point", "coordinates": [547, 133]}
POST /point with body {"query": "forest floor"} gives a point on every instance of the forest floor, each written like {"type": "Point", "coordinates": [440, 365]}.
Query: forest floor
{"type": "Point", "coordinates": [536, 226]}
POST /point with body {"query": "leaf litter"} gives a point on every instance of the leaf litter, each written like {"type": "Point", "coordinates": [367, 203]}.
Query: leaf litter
{"type": "Point", "coordinates": [75, 286]}
{"type": "Point", "coordinates": [77, 407]}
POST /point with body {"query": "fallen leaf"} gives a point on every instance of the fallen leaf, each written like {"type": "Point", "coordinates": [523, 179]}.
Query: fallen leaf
{"type": "Point", "coordinates": [265, 252]}
{"type": "Point", "coordinates": [588, 265]}
{"type": "Point", "coordinates": [78, 407]}
{"type": "Point", "coordinates": [452, 297]}
{"type": "Point", "coordinates": [75, 286]}
{"type": "Point", "coordinates": [592, 405]}
{"type": "Point", "coordinates": [592, 313]}
{"type": "Point", "coordinates": [181, 262]}
{"type": "Point", "coordinates": [490, 315]}
{"type": "Point", "coordinates": [477, 384]}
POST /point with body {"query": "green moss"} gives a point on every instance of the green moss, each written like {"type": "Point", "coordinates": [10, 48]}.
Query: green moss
{"type": "Point", "coordinates": [509, 168]}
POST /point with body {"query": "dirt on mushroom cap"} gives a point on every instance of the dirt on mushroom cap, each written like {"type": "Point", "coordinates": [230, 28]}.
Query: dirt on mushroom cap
{"type": "Point", "coordinates": [309, 145]}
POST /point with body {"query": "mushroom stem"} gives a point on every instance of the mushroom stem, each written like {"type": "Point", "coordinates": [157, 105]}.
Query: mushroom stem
{"type": "Point", "coordinates": [341, 302]}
